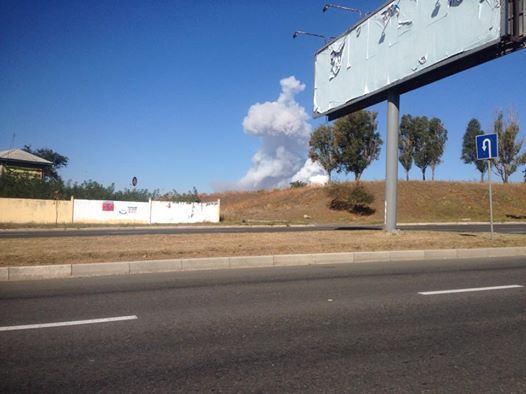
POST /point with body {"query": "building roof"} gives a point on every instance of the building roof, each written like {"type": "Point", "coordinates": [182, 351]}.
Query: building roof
{"type": "Point", "coordinates": [21, 155]}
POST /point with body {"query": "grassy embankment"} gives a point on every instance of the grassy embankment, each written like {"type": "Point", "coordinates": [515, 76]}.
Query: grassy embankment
{"type": "Point", "coordinates": [417, 202]}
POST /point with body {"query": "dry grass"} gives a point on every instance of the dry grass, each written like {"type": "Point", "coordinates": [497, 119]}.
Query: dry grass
{"type": "Point", "coordinates": [417, 202]}
{"type": "Point", "coordinates": [145, 247]}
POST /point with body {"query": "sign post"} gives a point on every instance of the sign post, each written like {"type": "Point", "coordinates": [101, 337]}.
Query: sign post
{"type": "Point", "coordinates": [487, 149]}
{"type": "Point", "coordinates": [490, 200]}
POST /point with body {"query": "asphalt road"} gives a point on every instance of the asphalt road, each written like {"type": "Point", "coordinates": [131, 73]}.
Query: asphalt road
{"type": "Point", "coordinates": [332, 329]}
{"type": "Point", "coordinates": [513, 228]}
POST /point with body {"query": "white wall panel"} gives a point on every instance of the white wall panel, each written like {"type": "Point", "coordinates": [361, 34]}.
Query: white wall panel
{"type": "Point", "coordinates": [177, 212]}
{"type": "Point", "coordinates": [101, 211]}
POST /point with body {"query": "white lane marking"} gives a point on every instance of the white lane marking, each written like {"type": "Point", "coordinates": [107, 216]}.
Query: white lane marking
{"type": "Point", "coordinates": [68, 323]}
{"type": "Point", "coordinates": [469, 290]}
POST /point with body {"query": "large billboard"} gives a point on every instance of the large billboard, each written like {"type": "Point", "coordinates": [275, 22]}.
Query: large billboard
{"type": "Point", "coordinates": [406, 44]}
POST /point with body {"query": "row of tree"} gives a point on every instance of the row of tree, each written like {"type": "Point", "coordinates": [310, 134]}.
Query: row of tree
{"type": "Point", "coordinates": [348, 145]}
{"type": "Point", "coordinates": [352, 143]}
{"type": "Point", "coordinates": [51, 186]}
{"type": "Point", "coordinates": [421, 141]}
{"type": "Point", "coordinates": [14, 185]}
{"type": "Point", "coordinates": [20, 186]}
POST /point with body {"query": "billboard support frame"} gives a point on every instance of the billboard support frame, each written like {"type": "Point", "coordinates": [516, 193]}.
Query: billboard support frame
{"type": "Point", "coordinates": [511, 36]}
{"type": "Point", "coordinates": [391, 171]}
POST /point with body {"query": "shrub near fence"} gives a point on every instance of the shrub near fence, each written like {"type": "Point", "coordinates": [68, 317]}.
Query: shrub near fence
{"type": "Point", "coordinates": [110, 212]}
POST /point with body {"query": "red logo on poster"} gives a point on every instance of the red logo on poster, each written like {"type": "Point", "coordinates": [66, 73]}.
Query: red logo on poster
{"type": "Point", "coordinates": [108, 206]}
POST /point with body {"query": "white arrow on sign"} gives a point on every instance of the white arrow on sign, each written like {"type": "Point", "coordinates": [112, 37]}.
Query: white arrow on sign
{"type": "Point", "coordinates": [486, 146]}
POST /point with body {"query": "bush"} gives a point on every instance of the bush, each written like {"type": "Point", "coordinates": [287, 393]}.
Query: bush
{"type": "Point", "coordinates": [20, 186]}
{"type": "Point", "coordinates": [297, 184]}
{"type": "Point", "coordinates": [174, 196]}
{"type": "Point", "coordinates": [92, 190]}
{"type": "Point", "coordinates": [354, 199]}
{"type": "Point", "coordinates": [360, 196]}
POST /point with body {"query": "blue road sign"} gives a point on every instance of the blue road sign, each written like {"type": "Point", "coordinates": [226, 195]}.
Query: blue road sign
{"type": "Point", "coordinates": [487, 146]}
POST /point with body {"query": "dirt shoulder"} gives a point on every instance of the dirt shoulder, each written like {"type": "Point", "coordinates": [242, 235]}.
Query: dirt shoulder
{"type": "Point", "coordinates": [39, 251]}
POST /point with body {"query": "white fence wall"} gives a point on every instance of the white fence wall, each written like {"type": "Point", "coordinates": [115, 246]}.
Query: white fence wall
{"type": "Point", "coordinates": [173, 212]}
{"type": "Point", "coordinates": [101, 211]}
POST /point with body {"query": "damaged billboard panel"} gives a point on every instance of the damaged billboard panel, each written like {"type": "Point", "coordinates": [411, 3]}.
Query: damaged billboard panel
{"type": "Point", "coordinates": [403, 45]}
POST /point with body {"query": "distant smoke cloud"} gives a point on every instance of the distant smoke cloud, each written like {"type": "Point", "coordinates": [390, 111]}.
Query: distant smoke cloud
{"type": "Point", "coordinates": [311, 172]}
{"type": "Point", "coordinates": [284, 130]}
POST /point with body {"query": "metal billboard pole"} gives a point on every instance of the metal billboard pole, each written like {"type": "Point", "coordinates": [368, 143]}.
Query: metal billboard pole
{"type": "Point", "coordinates": [391, 177]}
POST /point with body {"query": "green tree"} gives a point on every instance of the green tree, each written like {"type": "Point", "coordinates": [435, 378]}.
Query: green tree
{"type": "Point", "coordinates": [58, 160]}
{"type": "Point", "coordinates": [439, 137]}
{"type": "Point", "coordinates": [90, 190]}
{"type": "Point", "coordinates": [510, 157]}
{"type": "Point", "coordinates": [469, 148]}
{"type": "Point", "coordinates": [406, 144]}
{"type": "Point", "coordinates": [423, 144]}
{"type": "Point", "coordinates": [430, 137]}
{"type": "Point", "coordinates": [322, 148]}
{"type": "Point", "coordinates": [14, 185]}
{"type": "Point", "coordinates": [357, 142]}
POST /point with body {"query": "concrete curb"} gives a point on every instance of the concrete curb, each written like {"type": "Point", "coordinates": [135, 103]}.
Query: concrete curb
{"type": "Point", "coordinates": [213, 263]}
{"type": "Point", "coordinates": [39, 272]}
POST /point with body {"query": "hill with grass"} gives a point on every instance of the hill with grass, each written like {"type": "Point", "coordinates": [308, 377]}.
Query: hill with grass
{"type": "Point", "coordinates": [417, 202]}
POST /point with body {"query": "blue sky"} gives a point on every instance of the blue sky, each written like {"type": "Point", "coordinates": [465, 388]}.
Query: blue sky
{"type": "Point", "coordinates": [160, 89]}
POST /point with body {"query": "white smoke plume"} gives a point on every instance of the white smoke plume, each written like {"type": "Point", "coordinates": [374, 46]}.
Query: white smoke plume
{"type": "Point", "coordinates": [311, 172]}
{"type": "Point", "coordinates": [284, 130]}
